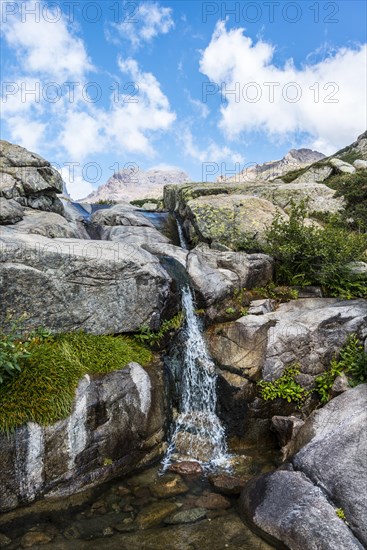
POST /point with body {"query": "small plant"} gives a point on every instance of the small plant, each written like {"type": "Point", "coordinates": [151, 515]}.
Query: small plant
{"type": "Point", "coordinates": [152, 338]}
{"type": "Point", "coordinates": [340, 513]}
{"type": "Point", "coordinates": [284, 387]}
{"type": "Point", "coordinates": [107, 462]}
{"type": "Point", "coordinates": [244, 311]}
{"type": "Point", "coordinates": [352, 361]}
{"type": "Point", "coordinates": [230, 310]}
{"type": "Point", "coordinates": [13, 350]}
{"type": "Point", "coordinates": [278, 293]}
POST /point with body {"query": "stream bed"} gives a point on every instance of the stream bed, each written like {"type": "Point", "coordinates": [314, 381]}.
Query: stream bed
{"type": "Point", "coordinates": [147, 511]}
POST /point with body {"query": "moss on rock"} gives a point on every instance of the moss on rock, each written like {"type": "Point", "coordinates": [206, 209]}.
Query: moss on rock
{"type": "Point", "coordinates": [44, 390]}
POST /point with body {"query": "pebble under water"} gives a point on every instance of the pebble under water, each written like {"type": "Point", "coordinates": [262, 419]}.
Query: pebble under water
{"type": "Point", "coordinates": [146, 511]}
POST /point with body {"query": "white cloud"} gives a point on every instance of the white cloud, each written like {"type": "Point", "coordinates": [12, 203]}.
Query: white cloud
{"type": "Point", "coordinates": [232, 60]}
{"type": "Point", "coordinates": [48, 48]}
{"type": "Point", "coordinates": [132, 122]}
{"type": "Point", "coordinates": [27, 132]}
{"type": "Point", "coordinates": [147, 22]}
{"type": "Point", "coordinates": [200, 107]}
{"type": "Point", "coordinates": [81, 134]}
{"type": "Point", "coordinates": [212, 153]}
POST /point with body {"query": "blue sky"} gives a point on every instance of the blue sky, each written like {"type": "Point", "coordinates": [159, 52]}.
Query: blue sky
{"type": "Point", "coordinates": [207, 87]}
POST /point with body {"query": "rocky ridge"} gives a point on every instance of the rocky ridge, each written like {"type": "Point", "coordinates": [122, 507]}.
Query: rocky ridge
{"type": "Point", "coordinates": [294, 159]}
{"type": "Point", "coordinates": [132, 183]}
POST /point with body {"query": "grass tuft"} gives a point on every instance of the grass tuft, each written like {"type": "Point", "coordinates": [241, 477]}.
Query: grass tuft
{"type": "Point", "coordinates": [44, 389]}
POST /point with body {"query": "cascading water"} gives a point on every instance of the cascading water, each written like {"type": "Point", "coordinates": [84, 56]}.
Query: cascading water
{"type": "Point", "coordinates": [198, 433]}
{"type": "Point", "coordinates": [181, 236]}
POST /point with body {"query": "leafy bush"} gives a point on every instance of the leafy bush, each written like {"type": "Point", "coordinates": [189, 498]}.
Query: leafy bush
{"type": "Point", "coordinates": [284, 387]}
{"type": "Point", "coordinates": [44, 389]}
{"type": "Point", "coordinates": [352, 361]}
{"type": "Point", "coordinates": [353, 187]}
{"type": "Point", "coordinates": [307, 254]}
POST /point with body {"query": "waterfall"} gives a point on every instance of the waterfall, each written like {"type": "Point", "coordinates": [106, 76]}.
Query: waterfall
{"type": "Point", "coordinates": [181, 236]}
{"type": "Point", "coordinates": [198, 433]}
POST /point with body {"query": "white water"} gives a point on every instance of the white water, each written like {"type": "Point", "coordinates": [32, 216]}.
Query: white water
{"type": "Point", "coordinates": [198, 433]}
{"type": "Point", "coordinates": [181, 236]}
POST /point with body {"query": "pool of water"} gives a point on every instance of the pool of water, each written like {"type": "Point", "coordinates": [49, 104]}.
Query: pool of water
{"type": "Point", "coordinates": [147, 511]}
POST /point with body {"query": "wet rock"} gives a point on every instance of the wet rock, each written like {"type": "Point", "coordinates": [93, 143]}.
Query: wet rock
{"type": "Point", "coordinates": [227, 484]}
{"type": "Point", "coordinates": [187, 468]}
{"type": "Point", "coordinates": [286, 427]}
{"type": "Point", "coordinates": [214, 535]}
{"type": "Point", "coordinates": [113, 416]}
{"type": "Point", "coordinates": [4, 540]}
{"type": "Point", "coordinates": [186, 516]}
{"type": "Point", "coordinates": [213, 501]}
{"type": "Point", "coordinates": [168, 486]}
{"type": "Point", "coordinates": [34, 537]}
{"type": "Point", "coordinates": [154, 514]}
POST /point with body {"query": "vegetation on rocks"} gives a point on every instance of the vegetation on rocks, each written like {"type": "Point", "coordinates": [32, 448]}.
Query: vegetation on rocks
{"type": "Point", "coordinates": [284, 387]}
{"type": "Point", "coordinates": [154, 338]}
{"type": "Point", "coordinates": [44, 388]}
{"type": "Point", "coordinates": [353, 187]}
{"type": "Point", "coordinates": [352, 361]}
{"type": "Point", "coordinates": [308, 255]}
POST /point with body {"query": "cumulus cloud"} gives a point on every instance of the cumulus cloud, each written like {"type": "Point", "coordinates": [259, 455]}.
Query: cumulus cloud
{"type": "Point", "coordinates": [46, 45]}
{"type": "Point", "coordinates": [148, 21]}
{"type": "Point", "coordinates": [50, 56]}
{"type": "Point", "coordinates": [325, 100]}
{"type": "Point", "coordinates": [144, 111]}
{"type": "Point", "coordinates": [215, 159]}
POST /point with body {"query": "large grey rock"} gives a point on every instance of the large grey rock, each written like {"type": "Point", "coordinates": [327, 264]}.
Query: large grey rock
{"type": "Point", "coordinates": [332, 453]}
{"type": "Point", "coordinates": [308, 331]}
{"type": "Point", "coordinates": [286, 506]}
{"type": "Point", "coordinates": [134, 235]}
{"type": "Point", "coordinates": [119, 416]}
{"type": "Point", "coordinates": [342, 166]}
{"type": "Point", "coordinates": [315, 174]}
{"type": "Point", "coordinates": [29, 179]}
{"type": "Point", "coordinates": [10, 211]}
{"type": "Point", "coordinates": [224, 213]}
{"type": "Point", "coordinates": [99, 286]}
{"type": "Point", "coordinates": [360, 164]}
{"type": "Point", "coordinates": [49, 224]}
{"type": "Point", "coordinates": [328, 453]}
{"type": "Point", "coordinates": [217, 274]}
{"type": "Point", "coordinates": [121, 214]}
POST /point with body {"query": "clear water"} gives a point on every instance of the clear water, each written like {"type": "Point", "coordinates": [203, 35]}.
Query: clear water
{"type": "Point", "coordinates": [198, 433]}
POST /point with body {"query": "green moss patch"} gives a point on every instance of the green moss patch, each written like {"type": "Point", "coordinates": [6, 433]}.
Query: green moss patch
{"type": "Point", "coordinates": [44, 390]}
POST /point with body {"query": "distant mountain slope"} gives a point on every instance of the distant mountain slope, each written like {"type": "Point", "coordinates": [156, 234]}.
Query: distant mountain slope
{"type": "Point", "coordinates": [129, 184]}
{"type": "Point", "coordinates": [293, 160]}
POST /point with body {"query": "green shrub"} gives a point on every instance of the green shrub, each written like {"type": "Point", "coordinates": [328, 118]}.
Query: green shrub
{"type": "Point", "coordinates": [284, 387]}
{"type": "Point", "coordinates": [353, 187]}
{"type": "Point", "coordinates": [352, 361]}
{"type": "Point", "coordinates": [307, 255]}
{"type": "Point", "coordinates": [44, 389]}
